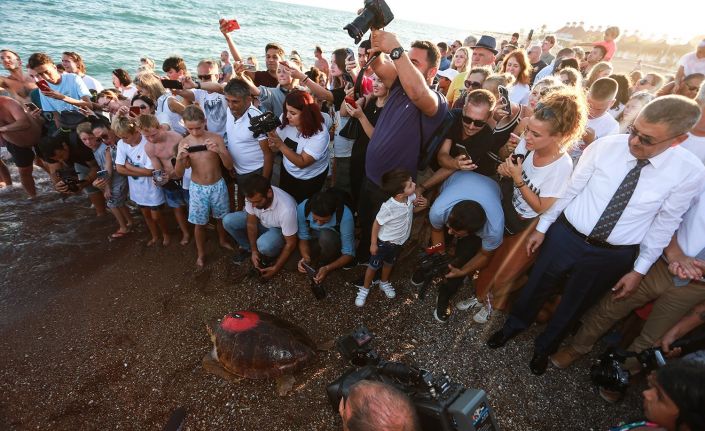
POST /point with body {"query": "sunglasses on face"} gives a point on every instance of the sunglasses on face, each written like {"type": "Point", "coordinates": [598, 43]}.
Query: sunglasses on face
{"type": "Point", "coordinates": [645, 140]}
{"type": "Point", "coordinates": [473, 84]}
{"type": "Point", "coordinates": [205, 77]}
{"type": "Point", "coordinates": [471, 121]}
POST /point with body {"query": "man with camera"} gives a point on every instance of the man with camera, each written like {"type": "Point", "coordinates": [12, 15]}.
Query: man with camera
{"type": "Point", "coordinates": [470, 207]}
{"type": "Point", "coordinates": [372, 405]}
{"type": "Point", "coordinates": [61, 156]}
{"type": "Point", "coordinates": [624, 202]}
{"type": "Point", "coordinates": [412, 113]}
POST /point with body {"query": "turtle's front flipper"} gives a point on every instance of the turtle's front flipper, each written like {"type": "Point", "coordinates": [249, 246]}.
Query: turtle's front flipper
{"type": "Point", "coordinates": [284, 384]}
{"type": "Point", "coordinates": [212, 366]}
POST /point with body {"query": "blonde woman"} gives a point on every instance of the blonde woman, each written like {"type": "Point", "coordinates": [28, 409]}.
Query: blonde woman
{"type": "Point", "coordinates": [168, 108]}
{"type": "Point", "coordinates": [461, 60]}
{"type": "Point", "coordinates": [602, 69]}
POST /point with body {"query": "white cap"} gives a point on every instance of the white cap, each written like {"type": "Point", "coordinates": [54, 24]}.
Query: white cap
{"type": "Point", "coordinates": [448, 73]}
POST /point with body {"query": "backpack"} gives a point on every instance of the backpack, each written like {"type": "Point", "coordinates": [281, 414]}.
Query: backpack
{"type": "Point", "coordinates": [429, 149]}
{"type": "Point", "coordinates": [344, 200]}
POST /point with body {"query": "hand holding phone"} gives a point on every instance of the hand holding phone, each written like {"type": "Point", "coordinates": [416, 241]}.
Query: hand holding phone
{"type": "Point", "coordinates": [462, 151]}
{"type": "Point", "coordinates": [172, 84]}
{"type": "Point", "coordinates": [135, 110]}
{"type": "Point", "coordinates": [43, 85]}
{"type": "Point", "coordinates": [350, 101]}
{"type": "Point", "coordinates": [30, 107]}
{"type": "Point", "coordinates": [196, 148]}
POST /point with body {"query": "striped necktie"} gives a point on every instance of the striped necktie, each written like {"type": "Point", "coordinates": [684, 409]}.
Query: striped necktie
{"type": "Point", "coordinates": [607, 221]}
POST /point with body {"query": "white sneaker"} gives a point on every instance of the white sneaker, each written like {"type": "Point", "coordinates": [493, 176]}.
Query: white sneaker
{"type": "Point", "coordinates": [482, 316]}
{"type": "Point", "coordinates": [467, 304]}
{"type": "Point", "coordinates": [388, 289]}
{"type": "Point", "coordinates": [361, 296]}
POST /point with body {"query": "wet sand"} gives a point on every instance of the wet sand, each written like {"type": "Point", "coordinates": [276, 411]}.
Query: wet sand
{"type": "Point", "coordinates": [110, 335]}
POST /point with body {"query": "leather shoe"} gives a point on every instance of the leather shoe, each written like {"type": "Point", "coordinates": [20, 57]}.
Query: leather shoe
{"type": "Point", "coordinates": [538, 363]}
{"type": "Point", "coordinates": [498, 339]}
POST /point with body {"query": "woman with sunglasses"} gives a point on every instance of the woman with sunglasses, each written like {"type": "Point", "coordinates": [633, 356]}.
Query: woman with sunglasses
{"type": "Point", "coordinates": [689, 88]}
{"type": "Point", "coordinates": [461, 86]}
{"type": "Point", "coordinates": [168, 107]}
{"type": "Point", "coordinates": [651, 83]}
{"type": "Point", "coordinates": [539, 174]}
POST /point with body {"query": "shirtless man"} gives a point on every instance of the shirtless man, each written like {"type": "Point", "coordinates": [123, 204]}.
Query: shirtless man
{"type": "Point", "coordinates": [321, 63]}
{"type": "Point", "coordinates": [20, 133]}
{"type": "Point", "coordinates": [208, 192]}
{"type": "Point", "coordinates": [161, 146]}
{"type": "Point", "coordinates": [18, 84]}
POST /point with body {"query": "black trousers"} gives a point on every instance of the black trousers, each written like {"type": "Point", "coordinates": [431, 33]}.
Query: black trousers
{"type": "Point", "coordinates": [589, 272]}
{"type": "Point", "coordinates": [301, 190]}
{"type": "Point", "coordinates": [465, 249]}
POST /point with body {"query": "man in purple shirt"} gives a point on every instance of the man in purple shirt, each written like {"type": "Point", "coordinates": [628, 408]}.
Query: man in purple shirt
{"type": "Point", "coordinates": [411, 115]}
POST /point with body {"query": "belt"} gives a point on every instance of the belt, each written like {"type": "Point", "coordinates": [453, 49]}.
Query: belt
{"type": "Point", "coordinates": [593, 241]}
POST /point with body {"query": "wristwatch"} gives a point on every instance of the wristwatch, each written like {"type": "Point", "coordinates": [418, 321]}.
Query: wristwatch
{"type": "Point", "coordinates": [396, 53]}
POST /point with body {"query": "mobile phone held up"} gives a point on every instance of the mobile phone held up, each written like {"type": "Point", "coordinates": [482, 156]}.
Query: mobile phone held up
{"type": "Point", "coordinates": [172, 84]}
{"type": "Point", "coordinates": [43, 85]}
{"type": "Point", "coordinates": [231, 25]}
{"type": "Point", "coordinates": [30, 107]}
{"type": "Point", "coordinates": [350, 54]}
{"type": "Point", "coordinates": [196, 148]}
{"type": "Point", "coordinates": [102, 174]}
{"type": "Point", "coordinates": [135, 110]}
{"type": "Point", "coordinates": [350, 101]}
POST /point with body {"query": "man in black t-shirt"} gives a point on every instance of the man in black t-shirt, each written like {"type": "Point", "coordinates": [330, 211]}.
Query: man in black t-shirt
{"type": "Point", "coordinates": [61, 156]}
{"type": "Point", "coordinates": [468, 142]}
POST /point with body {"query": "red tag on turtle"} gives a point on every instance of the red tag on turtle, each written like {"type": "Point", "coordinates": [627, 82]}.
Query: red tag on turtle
{"type": "Point", "coordinates": [239, 321]}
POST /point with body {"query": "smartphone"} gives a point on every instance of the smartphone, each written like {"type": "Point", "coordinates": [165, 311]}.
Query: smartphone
{"type": "Point", "coordinates": [135, 110]}
{"type": "Point", "coordinates": [43, 85]}
{"type": "Point", "coordinates": [462, 151]}
{"type": "Point", "coordinates": [30, 107]}
{"type": "Point", "coordinates": [310, 271]}
{"type": "Point", "coordinates": [352, 103]}
{"type": "Point", "coordinates": [172, 84]}
{"type": "Point", "coordinates": [351, 54]}
{"type": "Point", "coordinates": [196, 148]}
{"type": "Point", "coordinates": [231, 25]}
{"type": "Point", "coordinates": [250, 67]}
{"type": "Point", "coordinates": [102, 174]}
{"type": "Point", "coordinates": [531, 35]}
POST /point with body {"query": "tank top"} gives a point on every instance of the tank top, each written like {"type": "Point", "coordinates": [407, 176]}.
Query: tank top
{"type": "Point", "coordinates": [166, 115]}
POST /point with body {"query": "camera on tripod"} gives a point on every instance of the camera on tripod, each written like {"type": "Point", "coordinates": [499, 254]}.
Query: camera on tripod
{"type": "Point", "coordinates": [263, 124]}
{"type": "Point", "coordinates": [441, 404]}
{"type": "Point", "coordinates": [375, 14]}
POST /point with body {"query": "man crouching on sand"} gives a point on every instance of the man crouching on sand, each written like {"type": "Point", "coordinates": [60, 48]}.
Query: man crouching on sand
{"type": "Point", "coordinates": [204, 152]}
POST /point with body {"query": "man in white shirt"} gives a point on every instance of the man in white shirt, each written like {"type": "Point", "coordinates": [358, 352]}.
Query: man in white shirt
{"type": "Point", "coordinates": [696, 137]}
{"type": "Point", "coordinates": [624, 202]}
{"type": "Point", "coordinates": [693, 62]}
{"type": "Point", "coordinates": [548, 70]}
{"type": "Point", "coordinates": [213, 103]}
{"type": "Point", "coordinates": [266, 228]}
{"type": "Point", "coordinates": [600, 123]}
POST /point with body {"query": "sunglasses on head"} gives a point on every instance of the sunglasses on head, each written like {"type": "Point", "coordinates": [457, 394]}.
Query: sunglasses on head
{"type": "Point", "coordinates": [473, 84]}
{"type": "Point", "coordinates": [477, 123]}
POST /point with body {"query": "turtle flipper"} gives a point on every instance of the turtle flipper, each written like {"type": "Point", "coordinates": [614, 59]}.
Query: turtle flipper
{"type": "Point", "coordinates": [284, 384]}
{"type": "Point", "coordinates": [212, 366]}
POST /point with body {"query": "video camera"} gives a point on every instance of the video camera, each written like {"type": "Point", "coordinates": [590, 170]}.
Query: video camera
{"type": "Point", "coordinates": [434, 266]}
{"type": "Point", "coordinates": [441, 404]}
{"type": "Point", "coordinates": [375, 14]}
{"type": "Point", "coordinates": [263, 124]}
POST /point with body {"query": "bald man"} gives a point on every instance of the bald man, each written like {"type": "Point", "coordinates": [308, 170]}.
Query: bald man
{"type": "Point", "coordinates": [377, 406]}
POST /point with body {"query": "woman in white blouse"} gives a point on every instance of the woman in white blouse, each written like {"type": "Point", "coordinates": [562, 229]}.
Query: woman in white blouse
{"type": "Point", "coordinates": [517, 63]}
{"type": "Point", "coordinates": [303, 141]}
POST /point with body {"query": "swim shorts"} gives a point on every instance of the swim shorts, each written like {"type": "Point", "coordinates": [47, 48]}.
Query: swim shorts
{"type": "Point", "coordinates": [204, 201]}
{"type": "Point", "coordinates": [23, 157]}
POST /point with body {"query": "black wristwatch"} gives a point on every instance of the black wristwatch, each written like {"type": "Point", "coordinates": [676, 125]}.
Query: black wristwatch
{"type": "Point", "coordinates": [396, 53]}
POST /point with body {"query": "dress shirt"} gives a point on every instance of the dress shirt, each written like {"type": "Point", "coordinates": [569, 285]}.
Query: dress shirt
{"type": "Point", "coordinates": [691, 233]}
{"type": "Point", "coordinates": [666, 188]}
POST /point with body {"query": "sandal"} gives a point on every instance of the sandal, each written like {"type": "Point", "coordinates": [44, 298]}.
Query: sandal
{"type": "Point", "coordinates": [118, 234]}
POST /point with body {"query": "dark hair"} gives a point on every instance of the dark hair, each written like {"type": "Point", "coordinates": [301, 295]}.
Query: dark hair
{"type": "Point", "coordinates": [467, 216]}
{"type": "Point", "coordinates": [48, 147]}
{"type": "Point", "coordinates": [622, 89]}
{"type": "Point", "coordinates": [515, 35]}
{"type": "Point", "coordinates": [433, 55]}
{"type": "Point", "coordinates": [237, 87]}
{"type": "Point", "coordinates": [37, 59]}
{"type": "Point", "coordinates": [601, 48]}
{"type": "Point", "coordinates": [99, 122]}
{"type": "Point", "coordinates": [276, 46]}
{"type": "Point", "coordinates": [315, 75]}
{"type": "Point", "coordinates": [339, 57]}
{"type": "Point", "coordinates": [365, 44]}
{"type": "Point", "coordinates": [394, 181]}
{"type": "Point", "coordinates": [550, 38]}
{"type": "Point", "coordinates": [174, 62]}
{"type": "Point", "coordinates": [146, 99]}
{"type": "Point", "coordinates": [566, 63]}
{"type": "Point", "coordinates": [684, 383]}
{"type": "Point", "coordinates": [17, 56]}
{"type": "Point", "coordinates": [255, 184]}
{"type": "Point", "coordinates": [311, 118]}
{"type": "Point", "coordinates": [318, 49]}
{"type": "Point", "coordinates": [323, 203]}
{"type": "Point", "coordinates": [122, 76]}
{"type": "Point", "coordinates": [442, 46]}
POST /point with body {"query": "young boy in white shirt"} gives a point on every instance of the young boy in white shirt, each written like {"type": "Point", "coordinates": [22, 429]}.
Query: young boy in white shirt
{"type": "Point", "coordinates": [391, 229]}
{"type": "Point", "coordinates": [600, 123]}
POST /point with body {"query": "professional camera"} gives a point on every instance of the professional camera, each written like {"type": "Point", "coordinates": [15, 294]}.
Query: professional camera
{"type": "Point", "coordinates": [441, 404]}
{"type": "Point", "coordinates": [376, 14]}
{"type": "Point", "coordinates": [608, 373]}
{"type": "Point", "coordinates": [434, 266]}
{"type": "Point", "coordinates": [69, 177]}
{"type": "Point", "coordinates": [263, 124]}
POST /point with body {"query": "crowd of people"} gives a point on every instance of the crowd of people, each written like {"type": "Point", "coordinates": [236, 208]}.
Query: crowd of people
{"type": "Point", "coordinates": [557, 187]}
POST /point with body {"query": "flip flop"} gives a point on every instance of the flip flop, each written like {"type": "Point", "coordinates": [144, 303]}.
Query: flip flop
{"type": "Point", "coordinates": [118, 234]}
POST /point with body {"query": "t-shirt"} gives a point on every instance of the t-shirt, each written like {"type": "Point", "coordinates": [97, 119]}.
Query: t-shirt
{"type": "Point", "coordinates": [519, 94]}
{"type": "Point", "coordinates": [342, 147]}
{"type": "Point", "coordinates": [394, 219]}
{"type": "Point", "coordinates": [281, 213]}
{"type": "Point", "coordinates": [216, 107]}
{"type": "Point", "coordinates": [471, 186]}
{"type": "Point", "coordinates": [535, 69]}
{"type": "Point", "coordinates": [696, 145]}
{"type": "Point", "coordinates": [457, 85]}
{"type": "Point", "coordinates": [692, 64]}
{"type": "Point", "coordinates": [315, 146]}
{"type": "Point", "coordinates": [610, 46]}
{"type": "Point", "coordinates": [347, 227]}
{"type": "Point", "coordinates": [445, 64]}
{"type": "Point", "coordinates": [604, 125]}
{"type": "Point", "coordinates": [548, 181]}
{"type": "Point", "coordinates": [244, 148]}
{"type": "Point", "coordinates": [92, 83]}
{"type": "Point", "coordinates": [477, 147]}
{"type": "Point", "coordinates": [71, 85]}
{"type": "Point", "coordinates": [101, 159]}
{"type": "Point", "coordinates": [262, 77]}
{"type": "Point", "coordinates": [396, 142]}
{"type": "Point", "coordinates": [143, 191]}
{"type": "Point", "coordinates": [271, 99]}
{"type": "Point", "coordinates": [166, 116]}
{"type": "Point", "coordinates": [129, 92]}
{"type": "Point", "coordinates": [547, 57]}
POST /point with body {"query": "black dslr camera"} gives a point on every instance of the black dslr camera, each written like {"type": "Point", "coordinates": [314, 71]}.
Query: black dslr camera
{"type": "Point", "coordinates": [263, 124]}
{"type": "Point", "coordinates": [69, 177]}
{"type": "Point", "coordinates": [433, 265]}
{"type": "Point", "coordinates": [608, 372]}
{"type": "Point", "coordinates": [441, 404]}
{"type": "Point", "coordinates": [376, 14]}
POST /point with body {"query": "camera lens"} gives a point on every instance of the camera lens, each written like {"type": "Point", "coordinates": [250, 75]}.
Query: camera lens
{"type": "Point", "coordinates": [360, 25]}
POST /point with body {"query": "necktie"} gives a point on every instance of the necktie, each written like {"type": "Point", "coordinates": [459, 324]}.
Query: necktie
{"type": "Point", "coordinates": [619, 201]}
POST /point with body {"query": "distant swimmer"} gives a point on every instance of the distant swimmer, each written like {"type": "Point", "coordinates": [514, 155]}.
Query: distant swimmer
{"type": "Point", "coordinates": [17, 84]}
{"type": "Point", "coordinates": [21, 133]}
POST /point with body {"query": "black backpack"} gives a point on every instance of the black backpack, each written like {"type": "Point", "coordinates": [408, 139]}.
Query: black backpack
{"type": "Point", "coordinates": [429, 149]}
{"type": "Point", "coordinates": [344, 200]}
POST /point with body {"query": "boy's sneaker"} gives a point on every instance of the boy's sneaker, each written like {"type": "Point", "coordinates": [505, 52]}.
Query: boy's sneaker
{"type": "Point", "coordinates": [467, 304]}
{"type": "Point", "coordinates": [388, 289]}
{"type": "Point", "coordinates": [482, 316]}
{"type": "Point", "coordinates": [241, 256]}
{"type": "Point", "coordinates": [360, 282]}
{"type": "Point", "coordinates": [361, 296]}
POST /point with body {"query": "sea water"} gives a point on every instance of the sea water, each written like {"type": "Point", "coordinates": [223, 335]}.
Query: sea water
{"type": "Point", "coordinates": [112, 34]}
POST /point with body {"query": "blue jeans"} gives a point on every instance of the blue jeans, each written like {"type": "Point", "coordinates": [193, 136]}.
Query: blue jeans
{"type": "Point", "coordinates": [270, 241]}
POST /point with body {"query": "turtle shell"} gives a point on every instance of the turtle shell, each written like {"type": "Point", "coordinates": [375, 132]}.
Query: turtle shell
{"type": "Point", "coordinates": [259, 345]}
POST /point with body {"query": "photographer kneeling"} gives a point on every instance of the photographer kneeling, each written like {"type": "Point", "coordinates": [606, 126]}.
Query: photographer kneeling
{"type": "Point", "coordinates": [470, 206]}
{"type": "Point", "coordinates": [377, 406]}
{"type": "Point", "coordinates": [63, 158]}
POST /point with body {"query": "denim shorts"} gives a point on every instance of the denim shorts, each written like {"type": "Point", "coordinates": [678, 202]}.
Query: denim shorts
{"type": "Point", "coordinates": [176, 198]}
{"type": "Point", "coordinates": [387, 254]}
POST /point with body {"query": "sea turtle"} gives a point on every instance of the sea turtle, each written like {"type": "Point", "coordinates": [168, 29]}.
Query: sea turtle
{"type": "Point", "coordinates": [257, 345]}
